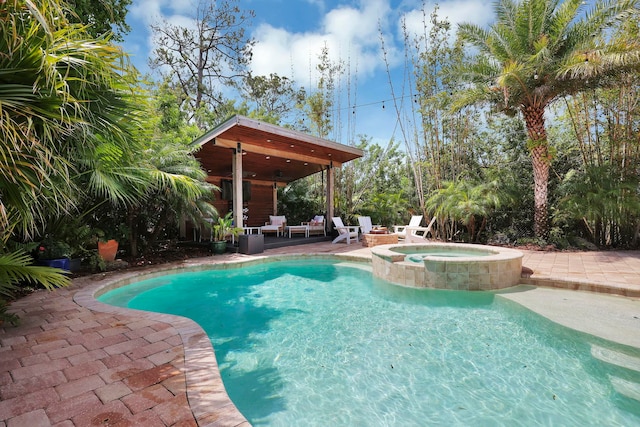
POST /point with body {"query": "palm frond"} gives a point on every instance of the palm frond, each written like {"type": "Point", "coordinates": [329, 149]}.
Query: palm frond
{"type": "Point", "coordinates": [16, 267]}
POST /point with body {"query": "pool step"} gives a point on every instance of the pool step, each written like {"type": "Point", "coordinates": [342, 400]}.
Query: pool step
{"type": "Point", "coordinates": [616, 358]}
{"type": "Point", "coordinates": [626, 388]}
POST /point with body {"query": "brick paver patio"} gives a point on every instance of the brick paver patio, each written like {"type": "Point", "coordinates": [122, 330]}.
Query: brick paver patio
{"type": "Point", "coordinates": [70, 363]}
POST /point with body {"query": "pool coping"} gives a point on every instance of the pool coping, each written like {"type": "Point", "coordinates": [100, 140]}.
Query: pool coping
{"type": "Point", "coordinates": [205, 390]}
{"type": "Point", "coordinates": [206, 394]}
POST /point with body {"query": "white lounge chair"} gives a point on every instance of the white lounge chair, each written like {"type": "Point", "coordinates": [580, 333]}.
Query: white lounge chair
{"type": "Point", "coordinates": [365, 224]}
{"type": "Point", "coordinates": [419, 234]}
{"type": "Point", "coordinates": [316, 225]}
{"type": "Point", "coordinates": [276, 225]}
{"type": "Point", "coordinates": [345, 232]}
{"type": "Point", "coordinates": [401, 231]}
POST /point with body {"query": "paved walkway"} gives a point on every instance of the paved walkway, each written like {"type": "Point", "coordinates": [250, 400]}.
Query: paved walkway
{"type": "Point", "coordinates": [71, 362]}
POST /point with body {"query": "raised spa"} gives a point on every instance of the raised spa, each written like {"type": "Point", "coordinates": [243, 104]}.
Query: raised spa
{"type": "Point", "coordinates": [448, 266]}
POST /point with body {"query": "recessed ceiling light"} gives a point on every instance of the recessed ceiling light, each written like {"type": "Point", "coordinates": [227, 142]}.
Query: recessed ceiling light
{"type": "Point", "coordinates": [292, 146]}
{"type": "Point", "coordinates": [288, 161]}
{"type": "Point", "coordinates": [329, 154]}
{"type": "Point", "coordinates": [268, 157]}
{"type": "Point", "coordinates": [305, 163]}
{"type": "Point", "coordinates": [268, 140]}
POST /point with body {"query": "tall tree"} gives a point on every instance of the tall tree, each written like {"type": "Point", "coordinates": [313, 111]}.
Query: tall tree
{"type": "Point", "coordinates": [319, 105]}
{"type": "Point", "coordinates": [206, 56]}
{"type": "Point", "coordinates": [439, 144]}
{"type": "Point", "coordinates": [271, 97]}
{"type": "Point", "coordinates": [536, 52]}
{"type": "Point", "coordinates": [102, 16]}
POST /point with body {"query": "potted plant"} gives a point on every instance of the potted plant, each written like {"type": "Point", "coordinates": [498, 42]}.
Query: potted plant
{"type": "Point", "coordinates": [108, 241]}
{"type": "Point", "coordinates": [53, 253]}
{"type": "Point", "coordinates": [221, 230]}
{"type": "Point", "coordinates": [79, 237]}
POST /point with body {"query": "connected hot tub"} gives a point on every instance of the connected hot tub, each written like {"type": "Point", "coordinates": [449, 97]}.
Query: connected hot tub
{"type": "Point", "coordinates": [448, 265]}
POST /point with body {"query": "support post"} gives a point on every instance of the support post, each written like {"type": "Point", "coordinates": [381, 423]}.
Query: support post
{"type": "Point", "coordinates": [330, 195]}
{"type": "Point", "coordinates": [237, 185]}
{"type": "Point", "coordinates": [275, 198]}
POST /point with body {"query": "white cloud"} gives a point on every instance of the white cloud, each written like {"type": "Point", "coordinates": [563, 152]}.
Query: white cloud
{"type": "Point", "coordinates": [153, 11]}
{"type": "Point", "coordinates": [351, 35]}
{"type": "Point", "coordinates": [455, 12]}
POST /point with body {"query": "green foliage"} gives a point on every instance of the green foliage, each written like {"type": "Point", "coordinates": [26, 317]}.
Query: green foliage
{"type": "Point", "coordinates": [104, 17]}
{"type": "Point", "coordinates": [318, 105]}
{"type": "Point", "coordinates": [603, 202]}
{"type": "Point", "coordinates": [536, 52]}
{"type": "Point", "coordinates": [272, 97]}
{"type": "Point", "coordinates": [223, 228]}
{"type": "Point", "coordinates": [375, 185]}
{"type": "Point", "coordinates": [301, 200]}
{"type": "Point", "coordinates": [386, 209]}
{"type": "Point", "coordinates": [50, 248]}
{"type": "Point", "coordinates": [16, 268]}
{"type": "Point", "coordinates": [64, 97]}
{"type": "Point", "coordinates": [465, 202]}
{"type": "Point", "coordinates": [5, 316]}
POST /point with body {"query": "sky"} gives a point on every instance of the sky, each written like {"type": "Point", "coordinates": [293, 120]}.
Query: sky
{"type": "Point", "coordinates": [290, 34]}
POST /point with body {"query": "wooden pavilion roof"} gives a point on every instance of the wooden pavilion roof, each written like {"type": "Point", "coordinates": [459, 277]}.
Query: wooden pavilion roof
{"type": "Point", "coordinates": [270, 153]}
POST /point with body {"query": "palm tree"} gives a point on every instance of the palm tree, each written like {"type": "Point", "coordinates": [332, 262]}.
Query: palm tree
{"type": "Point", "coordinates": [63, 97]}
{"type": "Point", "coordinates": [536, 52]}
{"type": "Point", "coordinates": [177, 190]}
{"type": "Point", "coordinates": [67, 108]}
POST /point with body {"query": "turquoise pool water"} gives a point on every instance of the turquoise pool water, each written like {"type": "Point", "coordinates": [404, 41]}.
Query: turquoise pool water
{"type": "Point", "coordinates": [442, 251]}
{"type": "Point", "coordinates": [418, 257]}
{"type": "Point", "coordinates": [324, 343]}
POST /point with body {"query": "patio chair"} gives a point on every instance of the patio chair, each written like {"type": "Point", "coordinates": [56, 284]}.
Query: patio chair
{"type": "Point", "coordinates": [418, 234]}
{"type": "Point", "coordinates": [401, 231]}
{"type": "Point", "coordinates": [276, 225]}
{"type": "Point", "coordinates": [316, 225]}
{"type": "Point", "coordinates": [345, 232]}
{"type": "Point", "coordinates": [365, 224]}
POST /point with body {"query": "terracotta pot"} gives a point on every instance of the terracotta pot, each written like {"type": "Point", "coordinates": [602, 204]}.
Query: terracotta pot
{"type": "Point", "coordinates": [107, 250]}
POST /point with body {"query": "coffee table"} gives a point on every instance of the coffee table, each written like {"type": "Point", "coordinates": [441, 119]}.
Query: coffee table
{"type": "Point", "coordinates": [300, 229]}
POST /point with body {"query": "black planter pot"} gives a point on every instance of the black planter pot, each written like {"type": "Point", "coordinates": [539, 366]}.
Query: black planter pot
{"type": "Point", "coordinates": [75, 264]}
{"type": "Point", "coordinates": [219, 247]}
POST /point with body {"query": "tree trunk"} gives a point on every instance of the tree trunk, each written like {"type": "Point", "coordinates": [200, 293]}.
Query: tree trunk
{"type": "Point", "coordinates": [540, 160]}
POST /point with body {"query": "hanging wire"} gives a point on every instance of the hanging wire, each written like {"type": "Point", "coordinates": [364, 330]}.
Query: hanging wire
{"type": "Point", "coordinates": [368, 104]}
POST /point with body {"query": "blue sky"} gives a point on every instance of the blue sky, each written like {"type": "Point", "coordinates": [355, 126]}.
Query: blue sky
{"type": "Point", "coordinates": [291, 33]}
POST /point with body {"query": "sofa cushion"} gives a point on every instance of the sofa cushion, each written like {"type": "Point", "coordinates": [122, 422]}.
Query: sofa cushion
{"type": "Point", "coordinates": [277, 220]}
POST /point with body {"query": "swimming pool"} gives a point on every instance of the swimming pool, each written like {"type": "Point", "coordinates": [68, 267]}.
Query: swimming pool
{"type": "Point", "coordinates": [324, 343]}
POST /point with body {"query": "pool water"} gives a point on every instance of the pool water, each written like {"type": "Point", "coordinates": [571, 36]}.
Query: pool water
{"type": "Point", "coordinates": [443, 251]}
{"type": "Point", "coordinates": [324, 343]}
{"type": "Point", "coordinates": [418, 257]}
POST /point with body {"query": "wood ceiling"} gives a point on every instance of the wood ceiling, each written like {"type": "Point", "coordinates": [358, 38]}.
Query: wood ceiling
{"type": "Point", "coordinates": [270, 153]}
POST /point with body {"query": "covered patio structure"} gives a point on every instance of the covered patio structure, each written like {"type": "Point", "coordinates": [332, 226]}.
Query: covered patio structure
{"type": "Point", "coordinates": [249, 159]}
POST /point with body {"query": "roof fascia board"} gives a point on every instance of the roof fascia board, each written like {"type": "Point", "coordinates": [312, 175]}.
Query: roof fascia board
{"type": "Point", "coordinates": [238, 120]}
{"type": "Point", "coordinates": [257, 149]}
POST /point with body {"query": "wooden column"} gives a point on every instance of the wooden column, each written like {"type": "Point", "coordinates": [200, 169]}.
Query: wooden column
{"type": "Point", "coordinates": [237, 185]}
{"type": "Point", "coordinates": [275, 198]}
{"type": "Point", "coordinates": [330, 192]}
